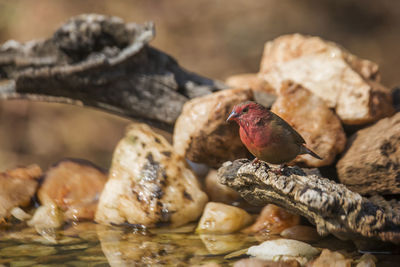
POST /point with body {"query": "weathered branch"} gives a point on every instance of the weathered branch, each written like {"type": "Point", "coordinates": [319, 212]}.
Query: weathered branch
{"type": "Point", "coordinates": [101, 62]}
{"type": "Point", "coordinates": [330, 206]}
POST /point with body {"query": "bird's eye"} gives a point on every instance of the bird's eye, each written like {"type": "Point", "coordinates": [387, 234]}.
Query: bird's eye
{"type": "Point", "coordinates": [245, 109]}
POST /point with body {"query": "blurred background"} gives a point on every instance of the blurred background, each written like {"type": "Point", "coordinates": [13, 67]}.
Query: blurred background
{"type": "Point", "coordinates": [213, 38]}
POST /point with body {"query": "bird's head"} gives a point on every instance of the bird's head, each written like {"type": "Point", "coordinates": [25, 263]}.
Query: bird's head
{"type": "Point", "coordinates": [246, 111]}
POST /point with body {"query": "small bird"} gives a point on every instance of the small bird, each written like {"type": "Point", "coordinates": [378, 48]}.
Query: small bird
{"type": "Point", "coordinates": [266, 135]}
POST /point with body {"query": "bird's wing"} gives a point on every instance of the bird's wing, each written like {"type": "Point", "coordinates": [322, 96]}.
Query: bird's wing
{"type": "Point", "coordinates": [297, 137]}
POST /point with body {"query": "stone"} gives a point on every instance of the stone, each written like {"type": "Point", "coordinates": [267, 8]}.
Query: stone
{"type": "Point", "coordinates": [217, 192]}
{"type": "Point", "coordinates": [284, 249]}
{"type": "Point", "coordinates": [301, 233]}
{"type": "Point", "coordinates": [254, 262]}
{"type": "Point", "coordinates": [331, 259]}
{"type": "Point", "coordinates": [201, 132]}
{"type": "Point", "coordinates": [273, 220]}
{"type": "Point", "coordinates": [219, 218]}
{"type": "Point", "coordinates": [17, 187]}
{"type": "Point", "coordinates": [314, 120]}
{"type": "Point", "coordinates": [149, 184]}
{"type": "Point", "coordinates": [74, 185]}
{"type": "Point", "coordinates": [346, 83]}
{"type": "Point", "coordinates": [371, 165]}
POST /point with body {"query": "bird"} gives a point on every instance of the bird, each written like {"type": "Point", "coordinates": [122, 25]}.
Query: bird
{"type": "Point", "coordinates": [266, 135]}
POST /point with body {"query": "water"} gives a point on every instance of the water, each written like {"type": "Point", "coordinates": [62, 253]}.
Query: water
{"type": "Point", "coordinates": [90, 244]}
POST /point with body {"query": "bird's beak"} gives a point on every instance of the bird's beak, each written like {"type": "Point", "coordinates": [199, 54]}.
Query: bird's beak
{"type": "Point", "coordinates": [231, 116]}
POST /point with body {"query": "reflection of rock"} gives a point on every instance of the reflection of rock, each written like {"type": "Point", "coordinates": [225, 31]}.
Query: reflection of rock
{"type": "Point", "coordinates": [317, 124]}
{"type": "Point", "coordinates": [124, 247]}
{"type": "Point", "coordinates": [101, 61]}
{"type": "Point", "coordinates": [371, 164]}
{"type": "Point", "coordinates": [221, 244]}
{"type": "Point", "coordinates": [17, 187]}
{"type": "Point", "coordinates": [201, 132]}
{"type": "Point", "coordinates": [149, 184]}
{"type": "Point", "coordinates": [345, 82]}
{"type": "Point", "coordinates": [330, 206]}
{"type": "Point", "coordinates": [254, 262]}
{"type": "Point", "coordinates": [273, 220]}
{"type": "Point", "coordinates": [74, 186]}
{"type": "Point", "coordinates": [220, 218]}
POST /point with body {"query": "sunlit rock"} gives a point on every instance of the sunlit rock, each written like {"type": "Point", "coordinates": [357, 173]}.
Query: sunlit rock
{"type": "Point", "coordinates": [371, 164]}
{"type": "Point", "coordinates": [74, 186]}
{"type": "Point", "coordinates": [201, 132]}
{"type": "Point", "coordinates": [220, 218]}
{"type": "Point", "coordinates": [149, 184]}
{"type": "Point", "coordinates": [331, 259]}
{"type": "Point", "coordinates": [273, 220]}
{"type": "Point", "coordinates": [314, 120]}
{"type": "Point", "coordinates": [284, 249]}
{"type": "Point", "coordinates": [346, 83]}
{"type": "Point", "coordinates": [301, 233]}
{"type": "Point", "coordinates": [218, 192]}
{"type": "Point", "coordinates": [17, 187]}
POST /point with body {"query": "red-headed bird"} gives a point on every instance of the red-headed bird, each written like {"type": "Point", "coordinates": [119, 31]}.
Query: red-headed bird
{"type": "Point", "coordinates": [266, 135]}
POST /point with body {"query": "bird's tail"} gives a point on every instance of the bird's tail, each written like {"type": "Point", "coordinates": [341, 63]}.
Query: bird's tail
{"type": "Point", "coordinates": [305, 150]}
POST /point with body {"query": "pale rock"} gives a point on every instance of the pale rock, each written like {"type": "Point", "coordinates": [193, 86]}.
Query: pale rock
{"type": "Point", "coordinates": [201, 132]}
{"type": "Point", "coordinates": [316, 123]}
{"type": "Point", "coordinates": [371, 163]}
{"type": "Point", "coordinates": [284, 249]}
{"type": "Point", "coordinates": [220, 218]}
{"type": "Point", "coordinates": [149, 184]}
{"type": "Point", "coordinates": [17, 187]}
{"type": "Point", "coordinates": [74, 186]}
{"type": "Point", "coordinates": [273, 220]}
{"type": "Point", "coordinates": [218, 192]}
{"type": "Point", "coordinates": [346, 83]}
{"type": "Point", "coordinates": [331, 259]}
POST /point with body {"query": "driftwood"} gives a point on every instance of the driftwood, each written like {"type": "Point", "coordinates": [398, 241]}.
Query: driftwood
{"type": "Point", "coordinates": [330, 206]}
{"type": "Point", "coordinates": [102, 62]}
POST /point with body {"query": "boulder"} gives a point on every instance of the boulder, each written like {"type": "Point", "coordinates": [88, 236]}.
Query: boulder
{"type": "Point", "coordinates": [149, 184]}
{"type": "Point", "coordinates": [273, 220]}
{"type": "Point", "coordinates": [346, 83]}
{"type": "Point", "coordinates": [201, 133]}
{"type": "Point", "coordinates": [371, 165]}
{"type": "Point", "coordinates": [17, 187]}
{"type": "Point", "coordinates": [316, 123]}
{"type": "Point", "coordinates": [74, 186]}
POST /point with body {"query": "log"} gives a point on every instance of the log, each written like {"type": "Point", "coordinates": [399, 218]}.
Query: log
{"type": "Point", "coordinates": [102, 62]}
{"type": "Point", "coordinates": [330, 206]}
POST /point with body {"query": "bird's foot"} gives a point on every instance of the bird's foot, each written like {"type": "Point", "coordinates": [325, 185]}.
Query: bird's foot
{"type": "Point", "coordinates": [281, 170]}
{"type": "Point", "coordinates": [255, 161]}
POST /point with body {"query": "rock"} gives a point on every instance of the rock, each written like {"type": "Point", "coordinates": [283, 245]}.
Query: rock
{"type": "Point", "coordinates": [74, 186]}
{"type": "Point", "coordinates": [20, 214]}
{"type": "Point", "coordinates": [273, 220]}
{"type": "Point", "coordinates": [46, 220]}
{"type": "Point", "coordinates": [219, 218]}
{"type": "Point", "coordinates": [331, 259]}
{"type": "Point", "coordinates": [17, 187]}
{"type": "Point", "coordinates": [218, 244]}
{"type": "Point", "coordinates": [201, 133]}
{"type": "Point", "coordinates": [263, 92]}
{"type": "Point", "coordinates": [254, 262]}
{"type": "Point", "coordinates": [372, 163]}
{"type": "Point", "coordinates": [367, 260]}
{"type": "Point", "coordinates": [149, 184]}
{"type": "Point", "coordinates": [219, 193]}
{"type": "Point", "coordinates": [284, 249]}
{"type": "Point", "coordinates": [346, 83]}
{"type": "Point", "coordinates": [316, 123]}
{"type": "Point", "coordinates": [301, 233]}
{"type": "Point", "coordinates": [330, 206]}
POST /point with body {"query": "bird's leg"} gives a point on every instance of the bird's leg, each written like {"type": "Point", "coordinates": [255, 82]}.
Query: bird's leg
{"type": "Point", "coordinates": [281, 169]}
{"type": "Point", "coordinates": [255, 161]}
